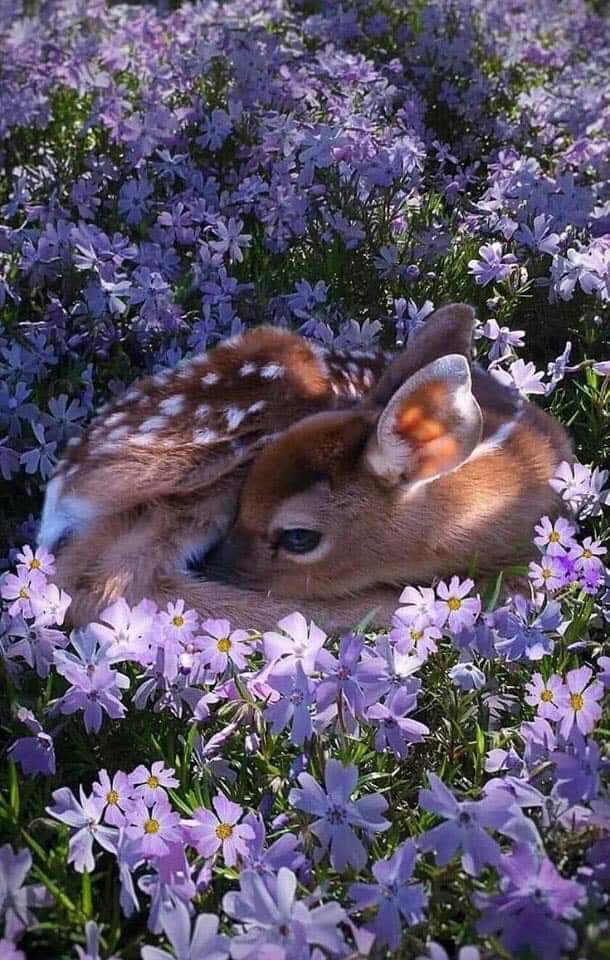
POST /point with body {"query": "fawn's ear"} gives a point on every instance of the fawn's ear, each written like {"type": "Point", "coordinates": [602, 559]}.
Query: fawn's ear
{"type": "Point", "coordinates": [430, 425]}
{"type": "Point", "coordinates": [448, 329]}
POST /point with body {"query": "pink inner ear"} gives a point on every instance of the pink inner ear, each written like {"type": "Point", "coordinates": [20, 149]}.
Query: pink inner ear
{"type": "Point", "coordinates": [427, 420]}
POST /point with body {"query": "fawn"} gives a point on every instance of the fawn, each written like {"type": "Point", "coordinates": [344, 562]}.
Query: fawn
{"type": "Point", "coordinates": [154, 482]}
{"type": "Point", "coordinates": [348, 475]}
{"type": "Point", "coordinates": [439, 469]}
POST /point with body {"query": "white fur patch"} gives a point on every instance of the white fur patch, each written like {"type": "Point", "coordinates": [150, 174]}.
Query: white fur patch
{"type": "Point", "coordinates": [272, 371]}
{"type": "Point", "coordinates": [234, 417]}
{"type": "Point", "coordinates": [497, 439]}
{"type": "Point", "coordinates": [117, 433]}
{"type": "Point", "coordinates": [247, 369]}
{"type": "Point", "coordinates": [203, 410]}
{"type": "Point", "coordinates": [257, 407]}
{"type": "Point", "coordinates": [143, 439]}
{"type": "Point", "coordinates": [61, 515]}
{"type": "Point", "coordinates": [210, 378]}
{"type": "Point", "coordinates": [172, 405]}
{"type": "Point", "coordinates": [204, 437]}
{"type": "Point", "coordinates": [153, 423]}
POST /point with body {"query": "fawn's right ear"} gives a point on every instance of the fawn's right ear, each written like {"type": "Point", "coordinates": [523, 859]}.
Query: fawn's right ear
{"type": "Point", "coordinates": [429, 426]}
{"type": "Point", "coordinates": [448, 330]}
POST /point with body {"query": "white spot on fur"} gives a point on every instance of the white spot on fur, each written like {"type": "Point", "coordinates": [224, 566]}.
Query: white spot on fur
{"type": "Point", "coordinates": [210, 378]}
{"type": "Point", "coordinates": [160, 378]}
{"type": "Point", "coordinates": [153, 423]}
{"type": "Point", "coordinates": [247, 369]}
{"type": "Point", "coordinates": [204, 437]}
{"type": "Point", "coordinates": [115, 418]}
{"type": "Point", "coordinates": [172, 405]}
{"type": "Point", "coordinates": [367, 377]}
{"type": "Point", "coordinates": [143, 439]}
{"type": "Point", "coordinates": [497, 440]}
{"type": "Point", "coordinates": [118, 433]}
{"type": "Point", "coordinates": [257, 407]}
{"type": "Point", "coordinates": [129, 396]}
{"type": "Point", "coordinates": [203, 410]}
{"type": "Point", "coordinates": [73, 442]}
{"type": "Point", "coordinates": [272, 371]}
{"type": "Point", "coordinates": [234, 417]}
{"type": "Point", "coordinates": [72, 471]}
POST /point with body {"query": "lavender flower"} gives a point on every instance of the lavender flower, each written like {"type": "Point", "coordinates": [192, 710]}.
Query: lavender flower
{"type": "Point", "coordinates": [203, 941]}
{"type": "Point", "coordinates": [85, 816]}
{"type": "Point", "coordinates": [398, 899]}
{"type": "Point", "coordinates": [493, 265]}
{"type": "Point", "coordinates": [273, 916]}
{"type": "Point", "coordinates": [150, 784]}
{"type": "Point", "coordinates": [533, 903]}
{"type": "Point", "coordinates": [577, 702]}
{"type": "Point", "coordinates": [153, 829]}
{"type": "Point", "coordinates": [16, 900]}
{"type": "Point", "coordinates": [395, 731]}
{"type": "Point", "coordinates": [210, 832]}
{"type": "Point", "coordinates": [35, 754]}
{"type": "Point", "coordinates": [293, 705]}
{"type": "Point", "coordinates": [338, 815]}
{"type": "Point", "coordinates": [296, 643]}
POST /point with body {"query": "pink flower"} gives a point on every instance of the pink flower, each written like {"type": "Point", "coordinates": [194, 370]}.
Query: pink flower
{"type": "Point", "coordinates": [178, 623]}
{"type": "Point", "coordinates": [49, 605]}
{"type": "Point", "coordinates": [556, 538]}
{"type": "Point", "coordinates": [454, 607]}
{"type": "Point", "coordinates": [41, 560]}
{"type": "Point", "coordinates": [547, 575]}
{"type": "Point", "coordinates": [586, 557]}
{"type": "Point", "coordinates": [155, 828]}
{"type": "Point", "coordinates": [219, 646]}
{"type": "Point", "coordinates": [20, 587]}
{"type": "Point", "coordinates": [543, 694]}
{"type": "Point", "coordinates": [209, 832]}
{"type": "Point", "coordinates": [117, 795]}
{"type": "Point", "coordinates": [150, 784]}
{"type": "Point", "coordinates": [577, 702]}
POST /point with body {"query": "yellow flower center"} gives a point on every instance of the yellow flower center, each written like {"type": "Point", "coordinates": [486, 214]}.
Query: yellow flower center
{"type": "Point", "coordinates": [554, 537]}
{"type": "Point", "coordinates": [586, 554]}
{"type": "Point", "coordinates": [112, 797]}
{"type": "Point", "coordinates": [178, 621]}
{"type": "Point", "coordinates": [224, 645]}
{"type": "Point", "coordinates": [454, 603]}
{"type": "Point", "coordinates": [576, 701]}
{"type": "Point", "coordinates": [152, 782]}
{"type": "Point", "coordinates": [24, 595]}
{"type": "Point", "coordinates": [224, 831]}
{"type": "Point", "coordinates": [546, 696]}
{"type": "Point", "coordinates": [151, 826]}
{"type": "Point", "coordinates": [417, 634]}
{"type": "Point", "coordinates": [35, 564]}
{"type": "Point", "coordinates": [546, 573]}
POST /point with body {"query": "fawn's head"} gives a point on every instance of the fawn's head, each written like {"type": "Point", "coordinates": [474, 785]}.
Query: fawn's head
{"type": "Point", "coordinates": [441, 467]}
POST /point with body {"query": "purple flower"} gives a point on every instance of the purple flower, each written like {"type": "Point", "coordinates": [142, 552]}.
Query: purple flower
{"type": "Point", "coordinates": [153, 829]}
{"type": "Point", "coordinates": [493, 265]}
{"type": "Point", "coordinates": [220, 647]}
{"type": "Point", "coordinates": [203, 942]}
{"type": "Point", "coordinates": [95, 695]}
{"type": "Point", "coordinates": [554, 538]}
{"type": "Point", "coordinates": [17, 900]}
{"type": "Point", "coordinates": [9, 951]}
{"type": "Point", "coordinates": [578, 704]}
{"type": "Point", "coordinates": [543, 694]}
{"type": "Point", "coordinates": [85, 815]}
{"type": "Point", "coordinates": [35, 754]}
{"type": "Point", "coordinates": [467, 676]}
{"type": "Point", "coordinates": [268, 860]}
{"type": "Point", "coordinates": [521, 376]}
{"type": "Point", "coordinates": [348, 682]}
{"type": "Point", "coordinates": [116, 794]}
{"type": "Point", "coordinates": [395, 731]}
{"type": "Point", "coordinates": [41, 560]}
{"type": "Point", "coordinates": [398, 899]}
{"type": "Point", "coordinates": [296, 643]}
{"type": "Point", "coordinates": [293, 705]}
{"type": "Point", "coordinates": [272, 916]}
{"type": "Point", "coordinates": [230, 239]}
{"type": "Point", "coordinates": [533, 902]}
{"type": "Point", "coordinates": [464, 827]}
{"type": "Point", "coordinates": [454, 608]}
{"type": "Point", "coordinates": [338, 815]}
{"type": "Point", "coordinates": [209, 832]}
{"type": "Point", "coordinates": [582, 488]}
{"type": "Point", "coordinates": [150, 785]}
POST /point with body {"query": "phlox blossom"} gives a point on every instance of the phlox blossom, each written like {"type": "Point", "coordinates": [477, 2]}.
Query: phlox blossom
{"type": "Point", "coordinates": [578, 702]}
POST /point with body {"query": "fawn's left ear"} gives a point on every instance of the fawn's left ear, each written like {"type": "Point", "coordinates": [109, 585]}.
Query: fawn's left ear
{"type": "Point", "coordinates": [430, 425]}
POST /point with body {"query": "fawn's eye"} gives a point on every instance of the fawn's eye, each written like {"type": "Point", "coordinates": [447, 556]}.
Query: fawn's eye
{"type": "Point", "coordinates": [298, 540]}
